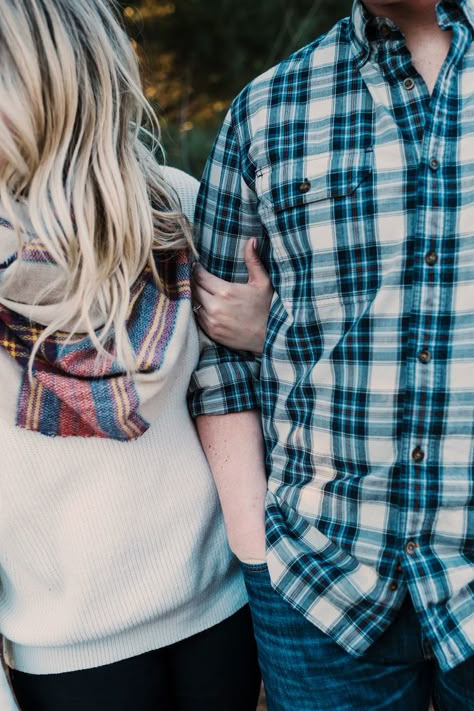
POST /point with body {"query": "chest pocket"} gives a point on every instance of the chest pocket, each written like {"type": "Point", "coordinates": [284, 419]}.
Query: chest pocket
{"type": "Point", "coordinates": [318, 214]}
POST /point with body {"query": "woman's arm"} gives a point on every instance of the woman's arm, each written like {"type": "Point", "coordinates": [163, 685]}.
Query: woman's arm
{"type": "Point", "coordinates": [233, 445]}
{"type": "Point", "coordinates": [234, 315]}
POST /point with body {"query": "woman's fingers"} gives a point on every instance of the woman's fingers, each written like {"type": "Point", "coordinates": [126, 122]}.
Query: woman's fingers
{"type": "Point", "coordinates": [202, 297]}
{"type": "Point", "coordinates": [234, 314]}
{"type": "Point", "coordinates": [206, 280]}
{"type": "Point", "coordinates": [257, 275]}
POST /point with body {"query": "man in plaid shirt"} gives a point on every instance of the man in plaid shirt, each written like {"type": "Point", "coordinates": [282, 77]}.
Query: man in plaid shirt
{"type": "Point", "coordinates": [352, 163]}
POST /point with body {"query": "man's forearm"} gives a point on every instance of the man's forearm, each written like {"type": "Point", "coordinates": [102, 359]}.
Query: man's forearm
{"type": "Point", "coordinates": [233, 445]}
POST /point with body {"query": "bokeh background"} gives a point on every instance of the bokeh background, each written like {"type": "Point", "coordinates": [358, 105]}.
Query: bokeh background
{"type": "Point", "coordinates": [196, 55]}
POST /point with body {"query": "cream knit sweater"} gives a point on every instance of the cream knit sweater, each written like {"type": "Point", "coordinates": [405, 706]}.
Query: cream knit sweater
{"type": "Point", "coordinates": [110, 549]}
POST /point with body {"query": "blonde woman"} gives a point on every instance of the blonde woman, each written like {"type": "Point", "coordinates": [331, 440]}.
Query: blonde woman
{"type": "Point", "coordinates": [117, 587]}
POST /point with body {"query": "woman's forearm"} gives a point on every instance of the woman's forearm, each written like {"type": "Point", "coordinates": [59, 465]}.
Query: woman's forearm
{"type": "Point", "coordinates": [233, 445]}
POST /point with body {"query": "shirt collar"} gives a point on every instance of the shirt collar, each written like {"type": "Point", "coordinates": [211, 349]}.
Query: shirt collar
{"type": "Point", "coordinates": [456, 10]}
{"type": "Point", "coordinates": [468, 8]}
{"type": "Point", "coordinates": [359, 21]}
{"type": "Point", "coordinates": [365, 28]}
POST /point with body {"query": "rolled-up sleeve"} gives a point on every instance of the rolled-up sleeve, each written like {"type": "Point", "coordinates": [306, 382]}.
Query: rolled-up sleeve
{"type": "Point", "coordinates": [226, 217]}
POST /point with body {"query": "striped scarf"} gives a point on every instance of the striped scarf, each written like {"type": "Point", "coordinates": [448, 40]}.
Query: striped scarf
{"type": "Point", "coordinates": [67, 395]}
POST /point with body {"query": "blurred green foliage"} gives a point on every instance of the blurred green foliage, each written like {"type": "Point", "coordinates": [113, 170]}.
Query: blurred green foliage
{"type": "Point", "coordinates": [197, 54]}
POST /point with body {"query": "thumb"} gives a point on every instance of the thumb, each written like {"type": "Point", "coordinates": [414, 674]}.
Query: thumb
{"type": "Point", "coordinates": [255, 268]}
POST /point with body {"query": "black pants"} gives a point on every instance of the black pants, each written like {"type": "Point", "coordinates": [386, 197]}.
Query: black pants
{"type": "Point", "coordinates": [215, 670]}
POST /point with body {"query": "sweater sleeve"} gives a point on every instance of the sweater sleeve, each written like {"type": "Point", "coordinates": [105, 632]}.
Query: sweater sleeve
{"type": "Point", "coordinates": [185, 186]}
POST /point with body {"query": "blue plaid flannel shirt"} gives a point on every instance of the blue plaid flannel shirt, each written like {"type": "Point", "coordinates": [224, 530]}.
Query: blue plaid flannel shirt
{"type": "Point", "coordinates": [360, 189]}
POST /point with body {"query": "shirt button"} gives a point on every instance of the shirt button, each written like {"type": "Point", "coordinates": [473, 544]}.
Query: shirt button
{"type": "Point", "coordinates": [424, 356]}
{"type": "Point", "coordinates": [434, 164]}
{"type": "Point", "coordinates": [411, 547]}
{"type": "Point", "coordinates": [409, 84]}
{"type": "Point", "coordinates": [385, 31]}
{"type": "Point", "coordinates": [417, 455]}
{"type": "Point", "coordinates": [431, 258]}
{"type": "Point", "coordinates": [398, 568]}
{"type": "Point", "coordinates": [304, 187]}
{"type": "Point", "coordinates": [392, 587]}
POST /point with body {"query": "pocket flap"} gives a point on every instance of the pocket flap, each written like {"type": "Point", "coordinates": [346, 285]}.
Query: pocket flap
{"type": "Point", "coordinates": [289, 184]}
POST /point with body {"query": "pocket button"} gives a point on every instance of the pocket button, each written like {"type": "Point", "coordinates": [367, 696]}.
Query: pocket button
{"type": "Point", "coordinates": [304, 187]}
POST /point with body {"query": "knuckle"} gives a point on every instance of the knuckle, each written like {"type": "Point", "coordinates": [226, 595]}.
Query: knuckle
{"type": "Point", "coordinates": [226, 292]}
{"type": "Point", "coordinates": [215, 311]}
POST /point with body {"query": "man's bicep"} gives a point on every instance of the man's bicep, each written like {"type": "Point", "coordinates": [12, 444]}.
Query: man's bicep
{"type": "Point", "coordinates": [226, 212]}
{"type": "Point", "coordinates": [226, 217]}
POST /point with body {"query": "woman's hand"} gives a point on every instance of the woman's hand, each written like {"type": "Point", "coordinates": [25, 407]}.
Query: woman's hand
{"type": "Point", "coordinates": [234, 315]}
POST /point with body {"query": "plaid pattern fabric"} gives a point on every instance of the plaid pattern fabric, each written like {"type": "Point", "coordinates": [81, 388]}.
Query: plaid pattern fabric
{"type": "Point", "coordinates": [70, 393]}
{"type": "Point", "coordinates": [360, 189]}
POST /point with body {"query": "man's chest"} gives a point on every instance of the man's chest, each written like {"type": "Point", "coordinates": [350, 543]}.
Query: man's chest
{"type": "Point", "coordinates": [373, 181]}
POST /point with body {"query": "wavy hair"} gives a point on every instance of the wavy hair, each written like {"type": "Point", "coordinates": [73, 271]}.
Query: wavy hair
{"type": "Point", "coordinates": [75, 151]}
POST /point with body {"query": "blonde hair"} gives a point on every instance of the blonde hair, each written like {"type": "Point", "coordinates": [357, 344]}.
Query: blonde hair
{"type": "Point", "coordinates": [73, 149]}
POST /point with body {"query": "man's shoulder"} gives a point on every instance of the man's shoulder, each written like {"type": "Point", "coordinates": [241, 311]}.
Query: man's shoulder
{"type": "Point", "coordinates": [283, 81]}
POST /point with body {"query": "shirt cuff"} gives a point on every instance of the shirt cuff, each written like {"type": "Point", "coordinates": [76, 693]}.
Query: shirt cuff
{"type": "Point", "coordinates": [220, 389]}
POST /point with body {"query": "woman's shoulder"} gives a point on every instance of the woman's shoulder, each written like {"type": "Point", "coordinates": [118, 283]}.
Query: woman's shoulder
{"type": "Point", "coordinates": [185, 186]}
